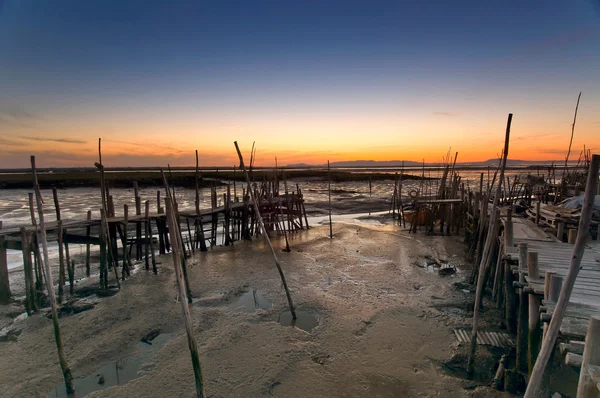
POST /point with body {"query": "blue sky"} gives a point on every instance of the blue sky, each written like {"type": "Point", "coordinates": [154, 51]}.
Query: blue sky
{"type": "Point", "coordinates": [296, 76]}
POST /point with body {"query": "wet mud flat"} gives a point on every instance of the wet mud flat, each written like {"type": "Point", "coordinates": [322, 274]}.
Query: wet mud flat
{"type": "Point", "coordinates": [373, 325]}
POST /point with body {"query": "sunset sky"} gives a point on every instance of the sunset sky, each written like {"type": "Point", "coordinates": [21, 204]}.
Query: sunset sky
{"type": "Point", "coordinates": [307, 80]}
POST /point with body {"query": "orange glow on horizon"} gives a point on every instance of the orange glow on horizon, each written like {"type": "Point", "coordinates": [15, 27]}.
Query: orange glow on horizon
{"type": "Point", "coordinates": [292, 141]}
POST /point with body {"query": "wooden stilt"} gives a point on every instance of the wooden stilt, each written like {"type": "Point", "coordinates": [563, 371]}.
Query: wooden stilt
{"type": "Point", "coordinates": [146, 235]}
{"type": "Point", "coordinates": [4, 279]}
{"type": "Point", "coordinates": [30, 299]}
{"type": "Point", "coordinates": [61, 263]}
{"type": "Point", "coordinates": [150, 237]}
{"type": "Point", "coordinates": [587, 387]}
{"type": "Point", "coordinates": [103, 259]}
{"type": "Point", "coordinates": [329, 192]}
{"type": "Point", "coordinates": [71, 270]}
{"type": "Point", "coordinates": [88, 231]}
{"type": "Point", "coordinates": [68, 377]}
{"type": "Point", "coordinates": [572, 236]}
{"type": "Point", "coordinates": [138, 224]}
{"type": "Point", "coordinates": [522, 324]}
{"type": "Point", "coordinates": [125, 272]}
{"type": "Point", "coordinates": [534, 330]}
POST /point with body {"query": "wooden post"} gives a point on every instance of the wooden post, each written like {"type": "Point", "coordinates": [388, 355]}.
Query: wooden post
{"type": "Point", "coordinates": [587, 388]}
{"type": "Point", "coordinates": [264, 232]}
{"type": "Point", "coordinates": [146, 233]}
{"type": "Point", "coordinates": [547, 281]}
{"type": "Point", "coordinates": [61, 262]}
{"type": "Point", "coordinates": [37, 256]}
{"type": "Point", "coordinates": [138, 224]}
{"type": "Point", "coordinates": [490, 239]}
{"type": "Point", "coordinates": [68, 377]}
{"type": "Point", "coordinates": [537, 211]}
{"type": "Point", "coordinates": [572, 237]}
{"type": "Point", "coordinates": [125, 272]}
{"type": "Point", "coordinates": [30, 295]}
{"type": "Point", "coordinates": [71, 270]}
{"type": "Point", "coordinates": [556, 283]}
{"type": "Point", "coordinates": [522, 324]}
{"type": "Point", "coordinates": [329, 192]}
{"type": "Point", "coordinates": [185, 309]}
{"type": "Point", "coordinates": [534, 331]}
{"type": "Point", "coordinates": [565, 294]}
{"type": "Point", "coordinates": [88, 231]}
{"type": "Point", "coordinates": [67, 257]}
{"type": "Point", "coordinates": [509, 240]}
{"type": "Point", "coordinates": [560, 231]}
{"type": "Point", "coordinates": [4, 279]}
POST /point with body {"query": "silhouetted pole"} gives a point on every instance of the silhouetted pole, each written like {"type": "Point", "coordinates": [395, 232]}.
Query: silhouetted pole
{"type": "Point", "coordinates": [264, 231]}
{"type": "Point", "coordinates": [535, 380]}
{"type": "Point", "coordinates": [50, 284]}
{"type": "Point", "coordinates": [329, 190]}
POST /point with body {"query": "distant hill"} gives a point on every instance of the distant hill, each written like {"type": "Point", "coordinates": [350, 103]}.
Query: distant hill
{"type": "Point", "coordinates": [360, 163]}
{"type": "Point", "coordinates": [408, 163]}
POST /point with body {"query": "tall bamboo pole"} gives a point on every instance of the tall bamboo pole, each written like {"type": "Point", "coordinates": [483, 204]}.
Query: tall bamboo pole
{"type": "Point", "coordinates": [535, 380]}
{"type": "Point", "coordinates": [488, 244]}
{"type": "Point", "coordinates": [329, 192]}
{"type": "Point", "coordinates": [563, 182]}
{"type": "Point", "coordinates": [264, 232]}
{"type": "Point", "coordinates": [181, 286]}
{"type": "Point", "coordinates": [57, 334]}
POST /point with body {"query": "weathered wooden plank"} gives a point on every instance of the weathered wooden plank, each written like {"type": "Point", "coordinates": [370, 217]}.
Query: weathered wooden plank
{"type": "Point", "coordinates": [12, 245]}
{"type": "Point", "coordinates": [81, 239]}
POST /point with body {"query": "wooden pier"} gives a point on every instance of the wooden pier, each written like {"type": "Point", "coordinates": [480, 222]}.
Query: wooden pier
{"type": "Point", "coordinates": [130, 237]}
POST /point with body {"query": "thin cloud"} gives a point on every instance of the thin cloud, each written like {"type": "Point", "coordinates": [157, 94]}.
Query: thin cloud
{"type": "Point", "coordinates": [525, 137]}
{"type": "Point", "coordinates": [553, 151]}
{"type": "Point", "coordinates": [12, 115]}
{"type": "Point", "coordinates": [447, 114]}
{"type": "Point", "coordinates": [10, 142]}
{"type": "Point", "coordinates": [46, 139]}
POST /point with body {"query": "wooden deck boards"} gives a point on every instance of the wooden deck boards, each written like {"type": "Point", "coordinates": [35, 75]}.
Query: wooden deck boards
{"type": "Point", "coordinates": [554, 255]}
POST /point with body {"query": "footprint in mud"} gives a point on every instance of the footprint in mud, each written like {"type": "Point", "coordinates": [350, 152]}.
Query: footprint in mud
{"type": "Point", "coordinates": [365, 327]}
{"type": "Point", "coordinates": [321, 358]}
{"type": "Point", "coordinates": [273, 386]}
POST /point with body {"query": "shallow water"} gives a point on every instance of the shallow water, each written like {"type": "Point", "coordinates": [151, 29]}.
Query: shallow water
{"type": "Point", "coordinates": [304, 320]}
{"type": "Point", "coordinates": [115, 373]}
{"type": "Point", "coordinates": [251, 301]}
{"type": "Point", "coordinates": [352, 201]}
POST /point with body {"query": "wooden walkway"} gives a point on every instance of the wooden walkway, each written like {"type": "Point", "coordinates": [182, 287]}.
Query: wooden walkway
{"type": "Point", "coordinates": [555, 256]}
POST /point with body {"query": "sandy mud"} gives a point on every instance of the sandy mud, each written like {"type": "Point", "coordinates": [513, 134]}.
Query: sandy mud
{"type": "Point", "coordinates": [381, 328]}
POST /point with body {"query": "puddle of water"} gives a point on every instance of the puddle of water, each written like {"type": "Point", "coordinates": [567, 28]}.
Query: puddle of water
{"type": "Point", "coordinates": [250, 302]}
{"type": "Point", "coordinates": [304, 320]}
{"type": "Point", "coordinates": [115, 373]}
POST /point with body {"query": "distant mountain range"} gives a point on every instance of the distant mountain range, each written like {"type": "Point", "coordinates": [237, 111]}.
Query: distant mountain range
{"type": "Point", "coordinates": [408, 163]}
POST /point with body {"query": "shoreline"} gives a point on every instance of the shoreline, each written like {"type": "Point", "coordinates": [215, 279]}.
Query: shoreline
{"type": "Point", "coordinates": [186, 179]}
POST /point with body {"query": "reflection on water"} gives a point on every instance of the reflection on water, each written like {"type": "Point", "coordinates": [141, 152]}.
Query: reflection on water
{"type": "Point", "coordinates": [251, 301]}
{"type": "Point", "coordinates": [304, 320]}
{"type": "Point", "coordinates": [115, 373]}
{"type": "Point", "coordinates": [351, 199]}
